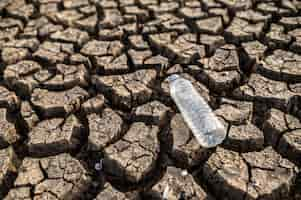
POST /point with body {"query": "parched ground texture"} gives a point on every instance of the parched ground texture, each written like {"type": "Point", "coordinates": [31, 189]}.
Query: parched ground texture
{"type": "Point", "coordinates": [83, 85]}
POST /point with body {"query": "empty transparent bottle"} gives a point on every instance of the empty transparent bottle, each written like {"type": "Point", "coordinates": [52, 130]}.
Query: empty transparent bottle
{"type": "Point", "coordinates": [197, 114]}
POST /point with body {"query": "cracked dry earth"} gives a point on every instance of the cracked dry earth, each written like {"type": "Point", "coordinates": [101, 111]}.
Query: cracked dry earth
{"type": "Point", "coordinates": [84, 82]}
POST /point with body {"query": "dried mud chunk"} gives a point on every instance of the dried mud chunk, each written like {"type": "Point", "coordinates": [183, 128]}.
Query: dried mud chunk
{"type": "Point", "coordinates": [69, 4]}
{"type": "Point", "coordinates": [297, 4]}
{"type": "Point", "coordinates": [244, 138]}
{"type": "Point", "coordinates": [127, 90]}
{"type": "Point", "coordinates": [290, 146]}
{"type": "Point", "coordinates": [126, 2]}
{"type": "Point", "coordinates": [72, 35]}
{"type": "Point", "coordinates": [164, 7]}
{"type": "Point", "coordinates": [109, 192]}
{"type": "Point", "coordinates": [30, 44]}
{"type": "Point", "coordinates": [295, 87]}
{"type": "Point", "coordinates": [290, 22]}
{"type": "Point", "coordinates": [65, 177]}
{"type": "Point", "coordinates": [30, 173]}
{"type": "Point", "coordinates": [255, 50]}
{"type": "Point", "coordinates": [212, 42]}
{"type": "Point", "coordinates": [93, 105]}
{"type": "Point", "coordinates": [19, 76]}
{"type": "Point", "coordinates": [138, 57]}
{"type": "Point", "coordinates": [47, 1]}
{"type": "Point", "coordinates": [225, 58]}
{"type": "Point", "coordinates": [160, 41]}
{"type": "Point", "coordinates": [48, 29]}
{"type": "Point", "coordinates": [153, 112]}
{"type": "Point", "coordinates": [152, 27]}
{"type": "Point", "coordinates": [186, 151]}
{"type": "Point", "coordinates": [277, 123]}
{"type": "Point", "coordinates": [20, 193]}
{"type": "Point", "coordinates": [185, 49]}
{"type": "Point", "coordinates": [8, 33]}
{"type": "Point", "coordinates": [20, 9]}
{"type": "Point", "coordinates": [13, 55]}
{"type": "Point", "coordinates": [290, 5]}
{"type": "Point", "coordinates": [53, 136]}
{"type": "Point", "coordinates": [262, 89]}
{"type": "Point", "coordinates": [296, 45]}
{"type": "Point", "coordinates": [105, 128]}
{"type": "Point", "coordinates": [237, 4]}
{"type": "Point", "coordinates": [271, 8]}
{"type": "Point", "coordinates": [88, 10]}
{"type": "Point", "coordinates": [221, 81]}
{"type": "Point", "coordinates": [175, 69]}
{"type": "Point", "coordinates": [141, 14]}
{"type": "Point", "coordinates": [51, 103]}
{"type": "Point", "coordinates": [77, 59]}
{"type": "Point", "coordinates": [108, 4]}
{"type": "Point", "coordinates": [54, 52]}
{"type": "Point", "coordinates": [8, 99]}
{"type": "Point", "coordinates": [111, 64]}
{"type": "Point", "coordinates": [170, 22]}
{"type": "Point", "coordinates": [192, 4]}
{"type": "Point", "coordinates": [227, 174]}
{"type": "Point", "coordinates": [28, 115]}
{"type": "Point", "coordinates": [192, 13]}
{"type": "Point", "coordinates": [157, 61]}
{"type": "Point", "coordinates": [213, 25]}
{"type": "Point", "coordinates": [49, 9]}
{"type": "Point", "coordinates": [220, 12]}
{"type": "Point", "coordinates": [3, 4]}
{"type": "Point", "coordinates": [88, 23]}
{"type": "Point", "coordinates": [8, 132]}
{"type": "Point", "coordinates": [117, 33]}
{"type": "Point", "coordinates": [137, 42]}
{"type": "Point", "coordinates": [133, 158]}
{"type": "Point", "coordinates": [67, 76]}
{"type": "Point", "coordinates": [147, 2]}
{"type": "Point", "coordinates": [235, 112]}
{"type": "Point", "coordinates": [253, 16]}
{"type": "Point", "coordinates": [112, 18]}
{"type": "Point", "coordinates": [47, 195]}
{"type": "Point", "coordinates": [272, 176]}
{"type": "Point", "coordinates": [67, 17]}
{"type": "Point", "coordinates": [211, 4]}
{"type": "Point", "coordinates": [9, 164]}
{"type": "Point", "coordinates": [276, 37]}
{"type": "Point", "coordinates": [222, 70]}
{"type": "Point", "coordinates": [7, 23]}
{"type": "Point", "coordinates": [176, 184]}
{"type": "Point", "coordinates": [282, 66]}
{"type": "Point", "coordinates": [274, 126]}
{"type": "Point", "coordinates": [31, 28]}
{"type": "Point", "coordinates": [102, 48]}
{"type": "Point", "coordinates": [243, 31]}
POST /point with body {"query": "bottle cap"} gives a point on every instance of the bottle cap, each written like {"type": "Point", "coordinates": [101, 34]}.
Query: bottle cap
{"type": "Point", "coordinates": [173, 77]}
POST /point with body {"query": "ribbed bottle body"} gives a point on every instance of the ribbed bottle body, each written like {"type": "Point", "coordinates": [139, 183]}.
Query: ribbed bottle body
{"type": "Point", "coordinates": [198, 115]}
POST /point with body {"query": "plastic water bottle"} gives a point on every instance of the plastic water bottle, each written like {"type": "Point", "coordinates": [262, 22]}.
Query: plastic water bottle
{"type": "Point", "coordinates": [197, 114]}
